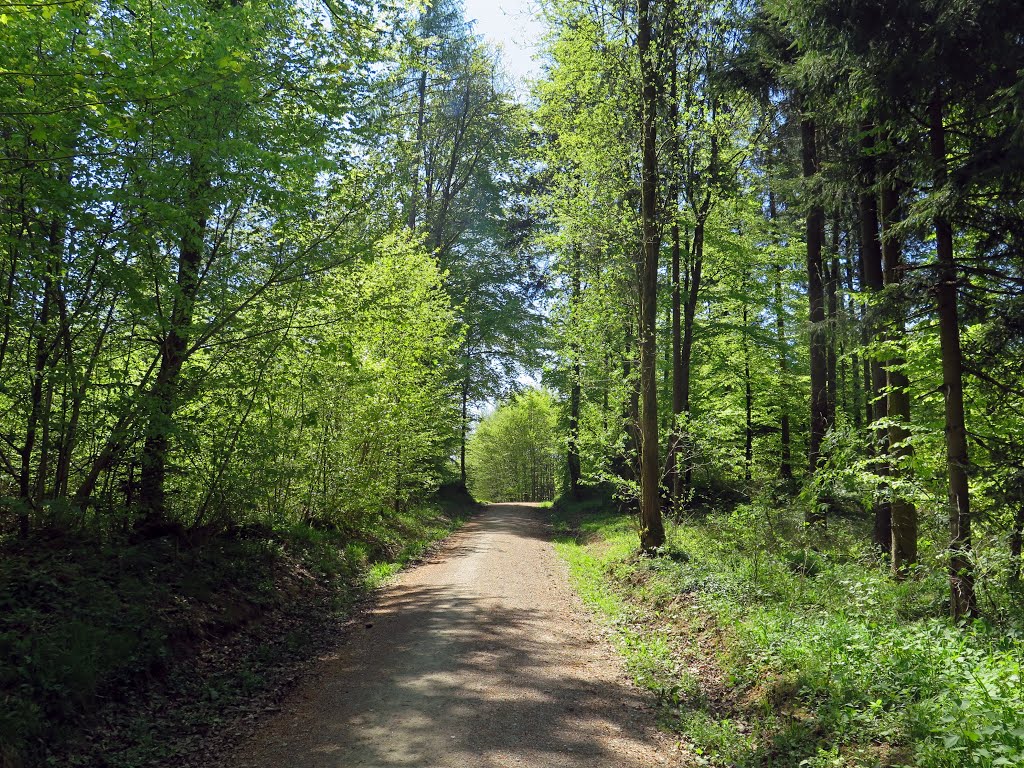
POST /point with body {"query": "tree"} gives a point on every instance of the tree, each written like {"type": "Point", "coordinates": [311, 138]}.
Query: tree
{"type": "Point", "coordinates": [456, 147]}
{"type": "Point", "coordinates": [185, 217]}
{"type": "Point", "coordinates": [816, 113]}
{"type": "Point", "coordinates": [652, 533]}
{"type": "Point", "coordinates": [515, 452]}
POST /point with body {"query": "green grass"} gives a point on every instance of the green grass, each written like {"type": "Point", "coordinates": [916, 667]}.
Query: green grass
{"type": "Point", "coordinates": [84, 622]}
{"type": "Point", "coordinates": [812, 656]}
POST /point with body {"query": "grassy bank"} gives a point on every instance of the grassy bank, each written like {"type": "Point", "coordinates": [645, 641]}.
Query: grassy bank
{"type": "Point", "coordinates": [121, 654]}
{"type": "Point", "coordinates": [769, 646]}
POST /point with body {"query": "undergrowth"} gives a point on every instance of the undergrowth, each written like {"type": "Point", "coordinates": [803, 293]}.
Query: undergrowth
{"type": "Point", "coordinates": [812, 656]}
{"type": "Point", "coordinates": [86, 624]}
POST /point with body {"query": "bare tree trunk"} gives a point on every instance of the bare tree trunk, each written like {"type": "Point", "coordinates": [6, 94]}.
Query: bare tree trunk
{"type": "Point", "coordinates": [871, 263]}
{"type": "Point", "coordinates": [629, 469]}
{"type": "Point", "coordinates": [19, 229]}
{"type": "Point", "coordinates": [748, 446]}
{"type": "Point", "coordinates": [840, 328]}
{"type": "Point", "coordinates": [869, 408]}
{"type": "Point", "coordinates": [626, 464]}
{"type": "Point", "coordinates": [43, 467]}
{"type": "Point", "coordinates": [652, 533]}
{"type": "Point", "coordinates": [693, 280]}
{"type": "Point", "coordinates": [856, 390]}
{"type": "Point", "coordinates": [786, 456]}
{"type": "Point", "coordinates": [35, 408]}
{"type": "Point", "coordinates": [31, 497]}
{"type": "Point", "coordinates": [816, 301]}
{"type": "Point", "coordinates": [421, 112]}
{"type": "Point", "coordinates": [465, 430]}
{"type": "Point", "coordinates": [903, 513]}
{"type": "Point", "coordinates": [1016, 540]}
{"type": "Point", "coordinates": [605, 387]}
{"type": "Point", "coordinates": [675, 434]}
{"type": "Point", "coordinates": [961, 568]}
{"type": "Point", "coordinates": [678, 408]}
{"type": "Point", "coordinates": [573, 452]}
{"type": "Point", "coordinates": [831, 291]}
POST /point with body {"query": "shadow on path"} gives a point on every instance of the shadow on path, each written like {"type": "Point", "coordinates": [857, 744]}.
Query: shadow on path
{"type": "Point", "coordinates": [478, 658]}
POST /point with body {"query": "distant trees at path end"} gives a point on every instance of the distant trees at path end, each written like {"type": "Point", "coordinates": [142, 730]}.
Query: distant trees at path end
{"type": "Point", "coordinates": [515, 454]}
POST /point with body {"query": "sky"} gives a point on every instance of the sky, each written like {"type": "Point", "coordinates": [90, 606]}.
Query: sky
{"type": "Point", "coordinates": [514, 26]}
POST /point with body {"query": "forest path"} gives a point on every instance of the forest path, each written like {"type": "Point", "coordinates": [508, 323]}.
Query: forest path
{"type": "Point", "coordinates": [482, 656]}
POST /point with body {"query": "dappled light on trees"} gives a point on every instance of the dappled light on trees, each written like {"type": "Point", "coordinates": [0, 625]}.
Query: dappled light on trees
{"type": "Point", "coordinates": [267, 266]}
{"type": "Point", "coordinates": [780, 232]}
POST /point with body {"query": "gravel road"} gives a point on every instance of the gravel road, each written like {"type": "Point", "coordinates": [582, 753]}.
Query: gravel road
{"type": "Point", "coordinates": [482, 656]}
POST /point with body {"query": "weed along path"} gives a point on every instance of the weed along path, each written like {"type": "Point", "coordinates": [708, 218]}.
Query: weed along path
{"type": "Point", "coordinates": [483, 656]}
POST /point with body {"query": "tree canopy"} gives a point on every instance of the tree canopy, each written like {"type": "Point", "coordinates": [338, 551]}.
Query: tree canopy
{"type": "Point", "coordinates": [261, 261]}
{"type": "Point", "coordinates": [778, 263]}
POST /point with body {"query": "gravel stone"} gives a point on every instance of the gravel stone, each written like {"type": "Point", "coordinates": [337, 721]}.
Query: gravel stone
{"type": "Point", "coordinates": [483, 656]}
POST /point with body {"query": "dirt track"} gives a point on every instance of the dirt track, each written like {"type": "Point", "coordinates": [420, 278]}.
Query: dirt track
{"type": "Point", "coordinates": [483, 656]}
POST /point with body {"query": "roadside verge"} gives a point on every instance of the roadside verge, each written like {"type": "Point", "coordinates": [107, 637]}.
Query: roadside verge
{"type": "Point", "coordinates": [162, 652]}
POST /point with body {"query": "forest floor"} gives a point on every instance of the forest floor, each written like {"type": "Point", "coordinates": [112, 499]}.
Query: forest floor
{"type": "Point", "coordinates": [482, 656]}
{"type": "Point", "coordinates": [770, 645]}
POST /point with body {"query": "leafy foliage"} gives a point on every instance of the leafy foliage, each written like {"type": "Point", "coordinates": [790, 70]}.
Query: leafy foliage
{"type": "Point", "coordinates": [218, 313]}
{"type": "Point", "coordinates": [808, 339]}
{"type": "Point", "coordinates": [515, 452]}
{"type": "Point", "coordinates": [836, 660]}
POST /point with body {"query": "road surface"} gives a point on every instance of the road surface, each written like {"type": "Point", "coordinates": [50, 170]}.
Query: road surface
{"type": "Point", "coordinates": [481, 657]}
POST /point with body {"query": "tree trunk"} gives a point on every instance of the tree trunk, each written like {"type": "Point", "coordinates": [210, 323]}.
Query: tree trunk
{"type": "Point", "coordinates": [816, 301]}
{"type": "Point", "coordinates": [173, 351]}
{"type": "Point", "coordinates": [839, 330]}
{"type": "Point", "coordinates": [675, 433]}
{"type": "Point", "coordinates": [903, 513]}
{"type": "Point", "coordinates": [573, 452]}
{"type": "Point", "coordinates": [43, 466]}
{"type": "Point", "coordinates": [869, 408]}
{"type": "Point", "coordinates": [693, 280]}
{"type": "Point", "coordinates": [855, 381]}
{"type": "Point", "coordinates": [465, 430]}
{"type": "Point", "coordinates": [421, 112]}
{"type": "Point", "coordinates": [748, 446]}
{"type": "Point", "coordinates": [1016, 540]}
{"type": "Point", "coordinates": [873, 279]}
{"type": "Point", "coordinates": [606, 386]}
{"type": "Point", "coordinates": [961, 569]}
{"type": "Point", "coordinates": [625, 464]}
{"type": "Point", "coordinates": [29, 497]}
{"type": "Point", "coordinates": [652, 533]}
{"type": "Point", "coordinates": [786, 455]}
{"type": "Point", "coordinates": [35, 408]}
{"type": "Point", "coordinates": [631, 416]}
{"type": "Point", "coordinates": [831, 291]}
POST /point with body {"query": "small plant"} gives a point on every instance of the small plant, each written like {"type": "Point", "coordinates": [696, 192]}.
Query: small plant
{"type": "Point", "coordinates": [804, 562]}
